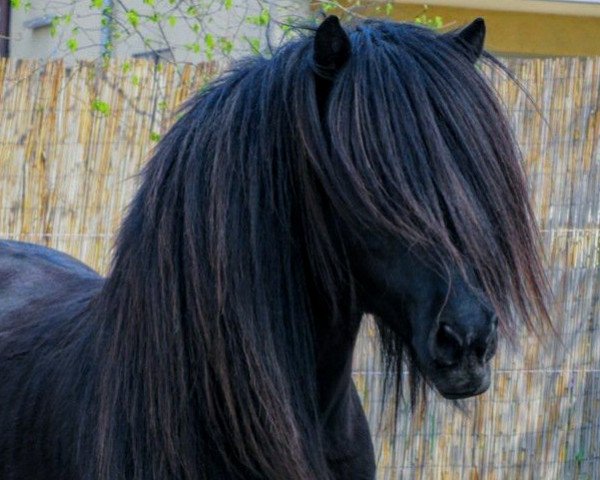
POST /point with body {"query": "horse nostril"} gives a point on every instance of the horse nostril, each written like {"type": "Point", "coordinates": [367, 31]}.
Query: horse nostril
{"type": "Point", "coordinates": [481, 352]}
{"type": "Point", "coordinates": [494, 324]}
{"type": "Point", "coordinates": [491, 347]}
{"type": "Point", "coordinates": [485, 348]}
{"type": "Point", "coordinates": [447, 345]}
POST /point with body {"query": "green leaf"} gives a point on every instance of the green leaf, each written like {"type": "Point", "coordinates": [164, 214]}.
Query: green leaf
{"type": "Point", "coordinates": [194, 47]}
{"type": "Point", "coordinates": [54, 26]}
{"type": "Point", "coordinates": [172, 20]}
{"type": "Point", "coordinates": [15, 3]}
{"type": "Point", "coordinates": [389, 8]}
{"type": "Point", "coordinates": [149, 2]}
{"type": "Point", "coordinates": [135, 80]}
{"type": "Point", "coordinates": [97, 4]}
{"type": "Point", "coordinates": [155, 17]}
{"type": "Point", "coordinates": [133, 17]}
{"type": "Point", "coordinates": [254, 43]}
{"type": "Point", "coordinates": [226, 45]}
{"type": "Point", "coordinates": [209, 41]}
{"type": "Point", "coordinates": [431, 22]}
{"type": "Point", "coordinates": [261, 19]}
{"type": "Point", "coordinates": [154, 136]}
{"type": "Point", "coordinates": [126, 67]}
{"type": "Point", "coordinates": [72, 44]}
{"type": "Point", "coordinates": [101, 107]}
{"type": "Point", "coordinates": [228, 4]}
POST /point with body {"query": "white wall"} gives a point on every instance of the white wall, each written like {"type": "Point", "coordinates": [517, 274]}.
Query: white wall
{"type": "Point", "coordinates": [27, 43]}
{"type": "Point", "coordinates": [219, 23]}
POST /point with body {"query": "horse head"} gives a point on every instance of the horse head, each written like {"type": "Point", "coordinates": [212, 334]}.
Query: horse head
{"type": "Point", "coordinates": [429, 195]}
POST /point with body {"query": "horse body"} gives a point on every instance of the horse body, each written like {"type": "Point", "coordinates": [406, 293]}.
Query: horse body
{"type": "Point", "coordinates": [362, 171]}
{"type": "Point", "coordinates": [47, 368]}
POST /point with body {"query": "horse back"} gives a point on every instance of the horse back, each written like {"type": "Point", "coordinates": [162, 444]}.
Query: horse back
{"type": "Point", "coordinates": [45, 359]}
{"type": "Point", "coordinates": [31, 273]}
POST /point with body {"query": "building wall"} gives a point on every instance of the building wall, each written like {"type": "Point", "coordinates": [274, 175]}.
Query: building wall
{"type": "Point", "coordinates": [38, 43]}
{"type": "Point", "coordinates": [531, 28]}
{"type": "Point", "coordinates": [582, 8]}
{"type": "Point", "coordinates": [515, 27]}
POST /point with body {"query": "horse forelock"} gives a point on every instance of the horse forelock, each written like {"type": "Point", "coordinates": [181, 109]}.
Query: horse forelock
{"type": "Point", "coordinates": [422, 148]}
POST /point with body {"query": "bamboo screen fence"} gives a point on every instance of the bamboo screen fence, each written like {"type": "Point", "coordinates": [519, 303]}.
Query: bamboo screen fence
{"type": "Point", "coordinates": [72, 140]}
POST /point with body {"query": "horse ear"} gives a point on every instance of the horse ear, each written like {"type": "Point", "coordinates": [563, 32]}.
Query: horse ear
{"type": "Point", "coordinates": [332, 47]}
{"type": "Point", "coordinates": [471, 38]}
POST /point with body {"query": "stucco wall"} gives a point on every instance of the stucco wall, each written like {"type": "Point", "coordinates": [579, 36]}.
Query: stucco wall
{"type": "Point", "coordinates": [38, 43]}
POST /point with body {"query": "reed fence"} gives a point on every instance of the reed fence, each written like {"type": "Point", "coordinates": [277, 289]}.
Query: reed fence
{"type": "Point", "coordinates": [73, 138]}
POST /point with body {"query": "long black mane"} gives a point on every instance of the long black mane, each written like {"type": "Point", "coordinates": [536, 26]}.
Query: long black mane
{"type": "Point", "coordinates": [203, 349]}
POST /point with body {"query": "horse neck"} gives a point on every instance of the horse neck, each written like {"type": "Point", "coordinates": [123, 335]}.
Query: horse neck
{"type": "Point", "coordinates": [335, 340]}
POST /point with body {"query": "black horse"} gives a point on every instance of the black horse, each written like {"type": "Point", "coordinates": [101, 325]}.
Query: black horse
{"type": "Point", "coordinates": [362, 170]}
